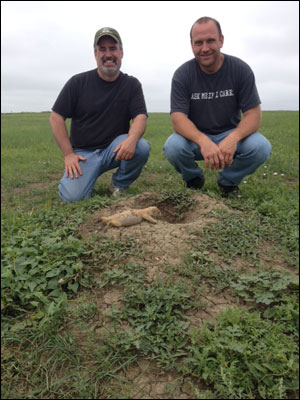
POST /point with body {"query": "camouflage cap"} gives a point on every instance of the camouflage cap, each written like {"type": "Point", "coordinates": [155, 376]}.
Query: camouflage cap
{"type": "Point", "coordinates": [107, 32]}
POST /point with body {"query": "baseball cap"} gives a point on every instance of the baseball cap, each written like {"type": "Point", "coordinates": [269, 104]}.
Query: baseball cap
{"type": "Point", "coordinates": [107, 32]}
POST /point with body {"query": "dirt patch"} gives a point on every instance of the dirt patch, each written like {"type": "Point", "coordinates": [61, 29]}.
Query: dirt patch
{"type": "Point", "coordinates": [147, 381]}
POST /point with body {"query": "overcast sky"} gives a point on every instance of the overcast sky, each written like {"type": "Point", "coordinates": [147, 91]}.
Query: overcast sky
{"type": "Point", "coordinates": [44, 43]}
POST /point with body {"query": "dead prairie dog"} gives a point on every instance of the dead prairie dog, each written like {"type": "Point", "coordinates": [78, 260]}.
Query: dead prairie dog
{"type": "Point", "coordinates": [132, 217]}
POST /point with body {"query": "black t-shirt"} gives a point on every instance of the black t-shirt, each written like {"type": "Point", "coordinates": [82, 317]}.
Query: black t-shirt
{"type": "Point", "coordinates": [214, 102]}
{"type": "Point", "coordinates": [100, 110]}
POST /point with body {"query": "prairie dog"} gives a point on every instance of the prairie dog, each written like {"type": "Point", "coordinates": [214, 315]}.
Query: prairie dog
{"type": "Point", "coordinates": [132, 217]}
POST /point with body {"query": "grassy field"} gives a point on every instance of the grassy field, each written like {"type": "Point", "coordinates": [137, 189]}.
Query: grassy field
{"type": "Point", "coordinates": [93, 314]}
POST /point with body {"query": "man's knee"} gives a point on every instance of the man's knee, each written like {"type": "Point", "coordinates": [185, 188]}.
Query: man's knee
{"type": "Point", "coordinates": [142, 150]}
{"type": "Point", "coordinates": [173, 147]}
{"type": "Point", "coordinates": [265, 149]}
{"type": "Point", "coordinates": [260, 147]}
{"type": "Point", "coordinates": [69, 194]}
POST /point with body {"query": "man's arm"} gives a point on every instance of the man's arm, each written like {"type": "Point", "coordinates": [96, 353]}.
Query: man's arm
{"type": "Point", "coordinates": [248, 125]}
{"type": "Point", "coordinates": [125, 150]}
{"type": "Point", "coordinates": [212, 154]}
{"type": "Point", "coordinates": [60, 134]}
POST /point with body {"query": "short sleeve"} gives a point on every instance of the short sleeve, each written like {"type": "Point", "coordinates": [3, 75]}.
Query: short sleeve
{"type": "Point", "coordinates": [248, 96]}
{"type": "Point", "coordinates": [66, 101]}
{"type": "Point", "coordinates": [137, 102]}
{"type": "Point", "coordinates": [180, 97]}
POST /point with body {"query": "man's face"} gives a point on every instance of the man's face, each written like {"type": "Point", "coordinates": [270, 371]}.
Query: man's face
{"type": "Point", "coordinates": [108, 55]}
{"type": "Point", "coordinates": [206, 45]}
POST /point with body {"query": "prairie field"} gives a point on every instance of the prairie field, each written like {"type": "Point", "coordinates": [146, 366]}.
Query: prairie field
{"type": "Point", "coordinates": [202, 305]}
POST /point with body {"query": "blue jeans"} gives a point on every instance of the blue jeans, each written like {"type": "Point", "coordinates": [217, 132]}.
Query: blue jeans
{"type": "Point", "coordinates": [251, 152]}
{"type": "Point", "coordinates": [99, 161]}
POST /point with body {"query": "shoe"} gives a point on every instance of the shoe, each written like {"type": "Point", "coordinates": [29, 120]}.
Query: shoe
{"type": "Point", "coordinates": [115, 190]}
{"type": "Point", "coordinates": [226, 190]}
{"type": "Point", "coordinates": [196, 183]}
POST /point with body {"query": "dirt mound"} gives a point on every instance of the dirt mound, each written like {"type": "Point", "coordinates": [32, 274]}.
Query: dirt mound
{"type": "Point", "coordinates": [165, 242]}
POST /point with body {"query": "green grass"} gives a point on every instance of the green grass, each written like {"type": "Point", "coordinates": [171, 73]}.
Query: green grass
{"type": "Point", "coordinates": [55, 343]}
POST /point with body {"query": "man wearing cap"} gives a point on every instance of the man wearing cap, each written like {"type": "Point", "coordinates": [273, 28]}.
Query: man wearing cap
{"type": "Point", "coordinates": [101, 103]}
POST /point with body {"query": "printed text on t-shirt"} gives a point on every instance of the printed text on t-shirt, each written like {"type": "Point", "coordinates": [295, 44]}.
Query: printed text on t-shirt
{"type": "Point", "coordinates": [212, 95]}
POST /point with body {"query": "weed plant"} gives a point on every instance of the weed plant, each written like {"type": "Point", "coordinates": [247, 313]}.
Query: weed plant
{"type": "Point", "coordinates": [156, 323]}
{"type": "Point", "coordinates": [244, 357]}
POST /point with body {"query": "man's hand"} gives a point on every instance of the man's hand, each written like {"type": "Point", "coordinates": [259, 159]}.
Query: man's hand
{"type": "Point", "coordinates": [125, 150]}
{"type": "Point", "coordinates": [59, 130]}
{"type": "Point", "coordinates": [228, 148]}
{"type": "Point", "coordinates": [72, 167]}
{"type": "Point", "coordinates": [212, 154]}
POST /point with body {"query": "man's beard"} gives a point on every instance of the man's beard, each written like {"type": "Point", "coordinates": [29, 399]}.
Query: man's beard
{"type": "Point", "coordinates": [110, 71]}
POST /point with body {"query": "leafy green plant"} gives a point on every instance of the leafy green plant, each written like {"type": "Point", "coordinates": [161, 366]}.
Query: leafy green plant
{"type": "Point", "coordinates": [235, 235]}
{"type": "Point", "coordinates": [39, 264]}
{"type": "Point", "coordinates": [181, 200]}
{"type": "Point", "coordinates": [201, 267]}
{"type": "Point", "coordinates": [287, 315]}
{"type": "Point", "coordinates": [85, 312]}
{"type": "Point", "coordinates": [156, 326]}
{"type": "Point", "coordinates": [264, 287]}
{"type": "Point", "coordinates": [126, 274]}
{"type": "Point", "coordinates": [244, 356]}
